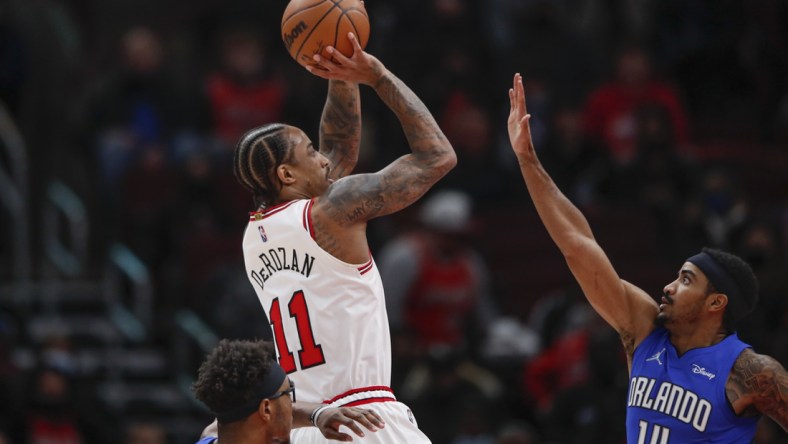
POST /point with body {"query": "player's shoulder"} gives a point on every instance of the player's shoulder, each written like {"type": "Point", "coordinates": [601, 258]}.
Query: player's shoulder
{"type": "Point", "coordinates": [755, 376]}
{"type": "Point", "coordinates": [749, 363]}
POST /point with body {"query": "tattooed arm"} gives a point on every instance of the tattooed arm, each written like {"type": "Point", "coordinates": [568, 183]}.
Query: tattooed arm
{"type": "Point", "coordinates": [356, 199]}
{"type": "Point", "coordinates": [759, 383]}
{"type": "Point", "coordinates": [340, 127]}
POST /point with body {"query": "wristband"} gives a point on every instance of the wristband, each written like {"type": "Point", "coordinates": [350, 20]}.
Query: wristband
{"type": "Point", "coordinates": [316, 413]}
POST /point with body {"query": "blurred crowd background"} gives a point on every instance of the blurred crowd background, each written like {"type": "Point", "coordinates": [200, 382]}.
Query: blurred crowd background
{"type": "Point", "coordinates": [665, 121]}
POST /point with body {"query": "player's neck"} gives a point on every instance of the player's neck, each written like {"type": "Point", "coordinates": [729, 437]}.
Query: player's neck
{"type": "Point", "coordinates": [696, 336]}
{"type": "Point", "coordinates": [289, 193]}
{"type": "Point", "coordinates": [241, 434]}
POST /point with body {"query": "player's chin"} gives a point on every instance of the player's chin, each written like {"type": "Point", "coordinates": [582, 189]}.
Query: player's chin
{"type": "Point", "coordinates": [661, 320]}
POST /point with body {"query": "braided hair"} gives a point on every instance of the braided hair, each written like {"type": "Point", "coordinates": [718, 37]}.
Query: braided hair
{"type": "Point", "coordinates": [258, 154]}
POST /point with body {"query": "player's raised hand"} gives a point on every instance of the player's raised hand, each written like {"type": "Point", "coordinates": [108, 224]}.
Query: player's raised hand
{"type": "Point", "coordinates": [331, 419]}
{"type": "Point", "coordinates": [361, 67]}
{"type": "Point", "coordinates": [519, 126]}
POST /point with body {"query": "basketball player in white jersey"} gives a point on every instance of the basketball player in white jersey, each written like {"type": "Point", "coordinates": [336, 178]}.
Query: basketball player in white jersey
{"type": "Point", "coordinates": [306, 249]}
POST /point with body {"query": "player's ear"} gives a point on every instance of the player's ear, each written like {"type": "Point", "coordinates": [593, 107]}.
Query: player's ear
{"type": "Point", "coordinates": [717, 301]}
{"type": "Point", "coordinates": [264, 410]}
{"type": "Point", "coordinates": [285, 174]}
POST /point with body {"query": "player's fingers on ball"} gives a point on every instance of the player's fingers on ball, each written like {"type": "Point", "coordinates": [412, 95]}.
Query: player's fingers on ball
{"type": "Point", "coordinates": [337, 57]}
{"type": "Point", "coordinates": [354, 41]}
{"type": "Point", "coordinates": [318, 71]}
{"type": "Point", "coordinates": [325, 63]}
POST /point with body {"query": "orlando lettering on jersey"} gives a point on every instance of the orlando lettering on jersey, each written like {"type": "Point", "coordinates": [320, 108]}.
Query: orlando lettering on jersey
{"type": "Point", "coordinates": [279, 259]}
{"type": "Point", "coordinates": [670, 399]}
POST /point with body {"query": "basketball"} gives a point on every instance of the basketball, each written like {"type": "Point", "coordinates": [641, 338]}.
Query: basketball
{"type": "Point", "coordinates": [308, 26]}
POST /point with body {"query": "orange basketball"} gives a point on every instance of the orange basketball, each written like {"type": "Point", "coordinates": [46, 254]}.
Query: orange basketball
{"type": "Point", "coordinates": [308, 26]}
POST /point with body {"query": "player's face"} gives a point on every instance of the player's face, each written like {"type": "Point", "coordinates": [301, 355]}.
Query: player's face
{"type": "Point", "coordinates": [282, 421]}
{"type": "Point", "coordinates": [684, 298]}
{"type": "Point", "coordinates": [310, 167]}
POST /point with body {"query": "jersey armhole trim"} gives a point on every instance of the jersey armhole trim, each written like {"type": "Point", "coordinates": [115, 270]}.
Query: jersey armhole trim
{"type": "Point", "coordinates": [366, 267]}
{"type": "Point", "coordinates": [307, 219]}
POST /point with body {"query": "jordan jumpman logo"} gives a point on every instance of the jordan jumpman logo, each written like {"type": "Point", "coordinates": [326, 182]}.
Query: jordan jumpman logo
{"type": "Point", "coordinates": [656, 357]}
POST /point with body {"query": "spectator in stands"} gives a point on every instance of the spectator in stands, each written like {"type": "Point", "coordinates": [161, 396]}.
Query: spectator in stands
{"type": "Point", "coordinates": [716, 209]}
{"type": "Point", "coordinates": [51, 414]}
{"type": "Point", "coordinates": [128, 111]}
{"type": "Point", "coordinates": [610, 116]}
{"type": "Point", "coordinates": [439, 301]}
{"type": "Point", "coordinates": [562, 363]}
{"type": "Point", "coordinates": [436, 284]}
{"type": "Point", "coordinates": [591, 411]}
{"type": "Point", "coordinates": [247, 91]}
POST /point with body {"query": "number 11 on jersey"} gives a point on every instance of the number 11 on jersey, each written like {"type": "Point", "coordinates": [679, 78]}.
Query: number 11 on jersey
{"type": "Point", "coordinates": [659, 434]}
{"type": "Point", "coordinates": [311, 353]}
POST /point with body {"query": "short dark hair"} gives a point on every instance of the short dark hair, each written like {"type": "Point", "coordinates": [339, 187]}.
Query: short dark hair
{"type": "Point", "coordinates": [257, 155]}
{"type": "Point", "coordinates": [742, 274]}
{"type": "Point", "coordinates": [229, 376]}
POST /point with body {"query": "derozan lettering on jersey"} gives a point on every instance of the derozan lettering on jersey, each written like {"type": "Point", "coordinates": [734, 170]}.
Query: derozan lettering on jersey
{"type": "Point", "coordinates": [328, 317]}
{"type": "Point", "coordinates": [681, 399]}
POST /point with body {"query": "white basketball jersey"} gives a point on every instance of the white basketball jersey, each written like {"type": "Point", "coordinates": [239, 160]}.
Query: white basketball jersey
{"type": "Point", "coordinates": [328, 317]}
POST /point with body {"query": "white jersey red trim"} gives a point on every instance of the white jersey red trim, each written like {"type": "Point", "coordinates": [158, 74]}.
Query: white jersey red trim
{"type": "Point", "coordinates": [361, 396]}
{"type": "Point", "coordinates": [328, 317]}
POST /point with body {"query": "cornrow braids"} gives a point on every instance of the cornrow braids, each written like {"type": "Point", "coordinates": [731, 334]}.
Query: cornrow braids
{"type": "Point", "coordinates": [257, 155]}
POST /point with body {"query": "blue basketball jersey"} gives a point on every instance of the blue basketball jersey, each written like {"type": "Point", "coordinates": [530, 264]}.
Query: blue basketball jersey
{"type": "Point", "coordinates": [681, 399]}
{"type": "Point", "coordinates": [208, 440]}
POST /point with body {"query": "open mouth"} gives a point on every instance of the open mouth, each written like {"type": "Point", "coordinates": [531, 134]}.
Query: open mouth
{"type": "Point", "coordinates": [665, 301]}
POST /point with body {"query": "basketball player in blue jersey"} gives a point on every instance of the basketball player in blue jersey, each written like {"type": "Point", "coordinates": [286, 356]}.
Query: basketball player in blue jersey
{"type": "Point", "coordinates": [691, 379]}
{"type": "Point", "coordinates": [255, 402]}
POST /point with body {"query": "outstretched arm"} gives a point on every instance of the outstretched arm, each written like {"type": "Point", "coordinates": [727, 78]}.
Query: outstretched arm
{"type": "Point", "coordinates": [358, 198]}
{"type": "Point", "coordinates": [759, 382]}
{"type": "Point", "coordinates": [625, 307]}
{"type": "Point", "coordinates": [340, 127]}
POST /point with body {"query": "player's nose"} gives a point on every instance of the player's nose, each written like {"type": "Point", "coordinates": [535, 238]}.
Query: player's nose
{"type": "Point", "coordinates": [670, 288]}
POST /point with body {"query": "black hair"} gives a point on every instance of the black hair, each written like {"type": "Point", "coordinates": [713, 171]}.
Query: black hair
{"type": "Point", "coordinates": [742, 274]}
{"type": "Point", "coordinates": [257, 155]}
{"type": "Point", "coordinates": [229, 376]}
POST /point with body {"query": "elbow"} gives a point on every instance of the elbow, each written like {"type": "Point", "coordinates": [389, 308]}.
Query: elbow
{"type": "Point", "coordinates": [448, 160]}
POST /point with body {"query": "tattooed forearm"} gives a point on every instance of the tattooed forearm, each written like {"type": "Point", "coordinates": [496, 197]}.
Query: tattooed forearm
{"type": "Point", "coordinates": [340, 127]}
{"type": "Point", "coordinates": [362, 197]}
{"type": "Point", "coordinates": [359, 198]}
{"type": "Point", "coordinates": [763, 380]}
{"type": "Point", "coordinates": [419, 125]}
